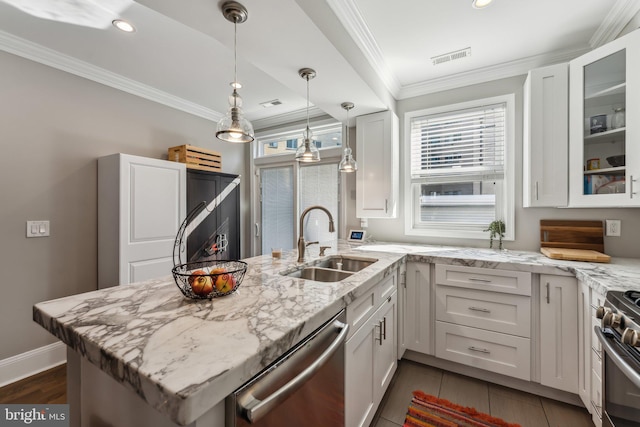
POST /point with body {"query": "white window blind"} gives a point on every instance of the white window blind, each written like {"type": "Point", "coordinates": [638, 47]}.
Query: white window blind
{"type": "Point", "coordinates": [467, 142]}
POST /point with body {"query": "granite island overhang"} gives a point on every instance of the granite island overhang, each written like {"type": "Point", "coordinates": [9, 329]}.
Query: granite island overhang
{"type": "Point", "coordinates": [182, 356]}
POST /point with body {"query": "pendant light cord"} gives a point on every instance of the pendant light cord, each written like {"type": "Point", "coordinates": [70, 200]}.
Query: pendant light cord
{"type": "Point", "coordinates": [308, 136]}
{"type": "Point", "coordinates": [347, 127]}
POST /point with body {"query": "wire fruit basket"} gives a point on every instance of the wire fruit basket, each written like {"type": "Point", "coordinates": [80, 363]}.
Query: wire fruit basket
{"type": "Point", "coordinates": [204, 279]}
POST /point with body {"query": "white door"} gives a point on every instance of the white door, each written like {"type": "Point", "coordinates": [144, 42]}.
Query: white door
{"type": "Point", "coordinates": [141, 204]}
{"type": "Point", "coordinates": [152, 207]}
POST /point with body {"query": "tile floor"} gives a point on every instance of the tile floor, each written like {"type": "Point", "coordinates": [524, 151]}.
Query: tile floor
{"type": "Point", "coordinates": [513, 406]}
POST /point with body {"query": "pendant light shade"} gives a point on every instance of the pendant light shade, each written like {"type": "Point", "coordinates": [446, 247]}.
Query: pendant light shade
{"type": "Point", "coordinates": [307, 152]}
{"type": "Point", "coordinates": [233, 127]}
{"type": "Point", "coordinates": [348, 163]}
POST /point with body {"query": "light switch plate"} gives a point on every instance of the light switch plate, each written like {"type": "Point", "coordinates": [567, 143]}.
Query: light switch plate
{"type": "Point", "coordinates": [38, 228]}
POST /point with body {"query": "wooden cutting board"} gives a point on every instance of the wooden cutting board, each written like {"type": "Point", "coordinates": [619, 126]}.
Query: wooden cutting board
{"type": "Point", "coordinates": [575, 254]}
{"type": "Point", "coordinates": [568, 234]}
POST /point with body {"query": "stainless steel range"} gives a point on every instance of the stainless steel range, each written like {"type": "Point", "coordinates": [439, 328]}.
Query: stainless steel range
{"type": "Point", "coordinates": [620, 338]}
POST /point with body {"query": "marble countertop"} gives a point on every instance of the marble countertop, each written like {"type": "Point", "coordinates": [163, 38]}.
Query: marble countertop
{"type": "Point", "coordinates": [151, 339]}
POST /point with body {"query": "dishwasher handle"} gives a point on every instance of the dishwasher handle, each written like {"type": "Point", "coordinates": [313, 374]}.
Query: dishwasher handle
{"type": "Point", "coordinates": [254, 408]}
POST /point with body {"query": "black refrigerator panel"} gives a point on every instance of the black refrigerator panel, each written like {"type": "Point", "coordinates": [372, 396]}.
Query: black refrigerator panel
{"type": "Point", "coordinates": [217, 237]}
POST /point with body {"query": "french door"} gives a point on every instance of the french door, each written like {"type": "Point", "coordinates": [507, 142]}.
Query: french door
{"type": "Point", "coordinates": [284, 192]}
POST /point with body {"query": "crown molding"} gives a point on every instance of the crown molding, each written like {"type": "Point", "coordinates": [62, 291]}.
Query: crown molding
{"type": "Point", "coordinates": [612, 25]}
{"type": "Point", "coordinates": [494, 72]}
{"type": "Point", "coordinates": [43, 55]}
{"type": "Point", "coordinates": [352, 20]}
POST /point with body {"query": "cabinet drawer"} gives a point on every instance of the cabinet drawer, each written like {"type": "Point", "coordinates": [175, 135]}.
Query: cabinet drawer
{"type": "Point", "coordinates": [387, 286]}
{"type": "Point", "coordinates": [511, 282]}
{"type": "Point", "coordinates": [492, 351]}
{"type": "Point", "coordinates": [595, 342]}
{"type": "Point", "coordinates": [509, 314]}
{"type": "Point", "coordinates": [361, 309]}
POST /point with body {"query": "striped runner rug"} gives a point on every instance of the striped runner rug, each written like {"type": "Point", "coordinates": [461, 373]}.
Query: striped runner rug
{"type": "Point", "coordinates": [426, 410]}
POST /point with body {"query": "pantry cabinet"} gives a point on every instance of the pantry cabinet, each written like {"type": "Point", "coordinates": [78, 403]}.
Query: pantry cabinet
{"type": "Point", "coordinates": [546, 137]}
{"type": "Point", "coordinates": [141, 204]}
{"type": "Point", "coordinates": [370, 351]}
{"type": "Point", "coordinates": [559, 332]}
{"type": "Point", "coordinates": [604, 131]}
{"type": "Point", "coordinates": [377, 177]}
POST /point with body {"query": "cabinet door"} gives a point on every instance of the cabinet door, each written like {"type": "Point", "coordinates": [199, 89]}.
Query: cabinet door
{"type": "Point", "coordinates": [360, 383]}
{"type": "Point", "coordinates": [378, 168]}
{"type": "Point", "coordinates": [559, 332]}
{"type": "Point", "coordinates": [584, 344]}
{"type": "Point", "coordinates": [141, 205]}
{"type": "Point", "coordinates": [386, 359]}
{"type": "Point", "coordinates": [602, 81]}
{"type": "Point", "coordinates": [546, 137]}
{"type": "Point", "coordinates": [417, 318]}
{"type": "Point", "coordinates": [220, 224]}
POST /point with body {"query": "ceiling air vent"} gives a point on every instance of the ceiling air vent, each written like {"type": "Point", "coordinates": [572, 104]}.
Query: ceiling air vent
{"type": "Point", "coordinates": [271, 103]}
{"type": "Point", "coordinates": [451, 56]}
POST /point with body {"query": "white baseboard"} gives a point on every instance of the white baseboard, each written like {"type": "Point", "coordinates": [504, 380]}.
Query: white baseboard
{"type": "Point", "coordinates": [24, 365]}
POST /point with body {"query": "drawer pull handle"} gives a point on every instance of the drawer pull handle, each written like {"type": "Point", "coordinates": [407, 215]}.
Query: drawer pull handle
{"type": "Point", "coordinates": [548, 296]}
{"type": "Point", "coordinates": [597, 352]}
{"type": "Point", "coordinates": [384, 328]}
{"type": "Point", "coordinates": [479, 350]}
{"type": "Point", "coordinates": [483, 310]}
{"type": "Point", "coordinates": [474, 279]}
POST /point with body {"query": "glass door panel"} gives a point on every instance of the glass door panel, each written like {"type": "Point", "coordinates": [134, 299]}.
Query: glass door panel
{"type": "Point", "coordinates": [277, 208]}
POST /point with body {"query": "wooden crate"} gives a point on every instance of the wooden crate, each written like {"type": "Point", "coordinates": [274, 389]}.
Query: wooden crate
{"type": "Point", "coordinates": [196, 158]}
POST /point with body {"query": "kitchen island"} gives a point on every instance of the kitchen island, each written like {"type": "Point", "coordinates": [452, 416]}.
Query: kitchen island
{"type": "Point", "coordinates": [142, 346]}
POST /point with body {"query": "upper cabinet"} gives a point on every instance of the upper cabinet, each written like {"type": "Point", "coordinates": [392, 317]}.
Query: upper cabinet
{"type": "Point", "coordinates": [604, 161]}
{"type": "Point", "coordinates": [546, 137]}
{"type": "Point", "coordinates": [378, 169]}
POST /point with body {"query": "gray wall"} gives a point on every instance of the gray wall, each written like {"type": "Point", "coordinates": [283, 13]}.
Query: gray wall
{"type": "Point", "coordinates": [53, 127]}
{"type": "Point", "coordinates": [527, 236]}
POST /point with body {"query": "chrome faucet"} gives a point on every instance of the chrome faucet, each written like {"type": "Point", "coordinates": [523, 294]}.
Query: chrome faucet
{"type": "Point", "coordinates": [301, 243]}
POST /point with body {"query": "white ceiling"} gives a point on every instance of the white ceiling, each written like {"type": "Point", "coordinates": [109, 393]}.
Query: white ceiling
{"type": "Point", "coordinates": [364, 51]}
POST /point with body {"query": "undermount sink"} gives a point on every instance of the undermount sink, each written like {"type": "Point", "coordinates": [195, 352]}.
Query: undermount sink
{"type": "Point", "coordinates": [348, 263]}
{"type": "Point", "coordinates": [332, 269]}
{"type": "Point", "coordinates": [320, 274]}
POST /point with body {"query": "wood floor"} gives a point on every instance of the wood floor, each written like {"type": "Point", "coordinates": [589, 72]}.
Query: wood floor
{"type": "Point", "coordinates": [46, 387]}
{"type": "Point", "coordinates": [513, 406]}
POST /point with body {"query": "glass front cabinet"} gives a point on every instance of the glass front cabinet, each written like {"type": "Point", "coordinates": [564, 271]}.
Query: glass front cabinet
{"type": "Point", "coordinates": [604, 120]}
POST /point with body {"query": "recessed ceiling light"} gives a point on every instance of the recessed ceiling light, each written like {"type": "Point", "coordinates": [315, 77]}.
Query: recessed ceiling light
{"type": "Point", "coordinates": [123, 25]}
{"type": "Point", "coordinates": [480, 4]}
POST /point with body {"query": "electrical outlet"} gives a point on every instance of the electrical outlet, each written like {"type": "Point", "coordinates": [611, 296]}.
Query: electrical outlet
{"type": "Point", "coordinates": [613, 227]}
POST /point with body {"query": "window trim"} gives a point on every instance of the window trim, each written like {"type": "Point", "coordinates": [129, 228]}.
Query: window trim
{"type": "Point", "coordinates": [507, 203]}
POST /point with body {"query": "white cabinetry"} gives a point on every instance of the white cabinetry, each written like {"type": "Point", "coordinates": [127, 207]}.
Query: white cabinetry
{"type": "Point", "coordinates": [601, 81]}
{"type": "Point", "coordinates": [417, 324]}
{"type": "Point", "coordinates": [378, 165]}
{"type": "Point", "coordinates": [483, 319]}
{"type": "Point", "coordinates": [584, 344]}
{"type": "Point", "coordinates": [546, 137]}
{"type": "Point", "coordinates": [597, 300]}
{"type": "Point", "coordinates": [559, 332]}
{"type": "Point", "coordinates": [141, 204]}
{"type": "Point", "coordinates": [371, 351]}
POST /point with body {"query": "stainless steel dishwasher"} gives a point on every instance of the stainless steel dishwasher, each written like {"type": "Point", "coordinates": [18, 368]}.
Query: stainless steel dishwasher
{"type": "Point", "coordinates": [304, 387]}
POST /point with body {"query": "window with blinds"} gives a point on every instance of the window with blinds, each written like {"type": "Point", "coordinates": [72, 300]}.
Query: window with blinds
{"type": "Point", "coordinates": [457, 166]}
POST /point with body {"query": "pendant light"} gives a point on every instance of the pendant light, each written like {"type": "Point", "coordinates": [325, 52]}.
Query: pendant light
{"type": "Point", "coordinates": [307, 152]}
{"type": "Point", "coordinates": [233, 127]}
{"type": "Point", "coordinates": [348, 163]}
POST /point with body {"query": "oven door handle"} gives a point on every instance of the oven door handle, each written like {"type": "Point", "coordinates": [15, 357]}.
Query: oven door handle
{"type": "Point", "coordinates": [254, 408]}
{"type": "Point", "coordinates": [627, 370]}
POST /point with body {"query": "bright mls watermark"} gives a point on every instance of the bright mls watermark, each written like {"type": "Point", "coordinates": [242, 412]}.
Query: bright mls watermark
{"type": "Point", "coordinates": [35, 415]}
